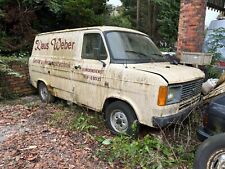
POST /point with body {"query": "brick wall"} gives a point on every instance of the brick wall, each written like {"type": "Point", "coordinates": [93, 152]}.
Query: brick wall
{"type": "Point", "coordinates": [18, 85]}
{"type": "Point", "coordinates": [191, 26]}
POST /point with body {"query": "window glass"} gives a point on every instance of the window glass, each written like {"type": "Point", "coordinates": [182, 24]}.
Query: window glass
{"type": "Point", "coordinates": [93, 47]}
{"type": "Point", "coordinates": [133, 47]}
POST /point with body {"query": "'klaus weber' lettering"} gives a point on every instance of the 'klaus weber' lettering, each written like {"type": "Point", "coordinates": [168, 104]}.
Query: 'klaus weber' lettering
{"type": "Point", "coordinates": [56, 43]}
{"type": "Point", "coordinates": [62, 44]}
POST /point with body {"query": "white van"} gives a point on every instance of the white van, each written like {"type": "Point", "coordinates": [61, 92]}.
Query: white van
{"type": "Point", "coordinates": [117, 71]}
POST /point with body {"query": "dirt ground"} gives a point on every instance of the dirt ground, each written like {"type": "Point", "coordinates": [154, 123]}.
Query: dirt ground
{"type": "Point", "coordinates": [36, 135]}
{"type": "Point", "coordinates": [28, 141]}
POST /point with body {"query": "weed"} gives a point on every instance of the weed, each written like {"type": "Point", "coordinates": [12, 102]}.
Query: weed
{"type": "Point", "coordinates": [74, 121]}
{"type": "Point", "coordinates": [57, 118]}
{"type": "Point", "coordinates": [149, 152]}
{"type": "Point", "coordinates": [82, 122]}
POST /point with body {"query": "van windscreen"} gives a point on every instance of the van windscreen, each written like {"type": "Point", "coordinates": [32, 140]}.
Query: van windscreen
{"type": "Point", "coordinates": [132, 48]}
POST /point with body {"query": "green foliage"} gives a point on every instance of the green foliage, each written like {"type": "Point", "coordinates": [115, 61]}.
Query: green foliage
{"type": "Point", "coordinates": [168, 20]}
{"type": "Point", "coordinates": [80, 13]}
{"type": "Point", "coordinates": [8, 60]}
{"type": "Point", "coordinates": [5, 68]}
{"type": "Point", "coordinates": [78, 121]}
{"type": "Point", "coordinates": [1, 13]}
{"type": "Point", "coordinates": [215, 43]}
{"type": "Point", "coordinates": [148, 152]}
{"type": "Point", "coordinates": [21, 20]}
{"type": "Point", "coordinates": [5, 71]}
{"type": "Point", "coordinates": [82, 123]}
{"type": "Point", "coordinates": [119, 19]}
{"type": "Point", "coordinates": [163, 16]}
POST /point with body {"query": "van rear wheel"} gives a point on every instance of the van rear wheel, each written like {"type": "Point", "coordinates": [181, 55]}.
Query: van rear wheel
{"type": "Point", "coordinates": [44, 94]}
{"type": "Point", "coordinates": [121, 119]}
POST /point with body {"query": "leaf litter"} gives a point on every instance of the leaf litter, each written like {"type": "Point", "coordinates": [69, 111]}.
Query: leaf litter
{"type": "Point", "coordinates": [28, 141]}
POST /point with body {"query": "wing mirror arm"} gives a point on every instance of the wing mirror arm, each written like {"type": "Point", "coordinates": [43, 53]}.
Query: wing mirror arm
{"type": "Point", "coordinates": [103, 63]}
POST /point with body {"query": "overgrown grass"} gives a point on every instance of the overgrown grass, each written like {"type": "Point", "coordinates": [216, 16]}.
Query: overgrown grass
{"type": "Point", "coordinates": [82, 123]}
{"type": "Point", "coordinates": [147, 152]}
{"type": "Point", "coordinates": [76, 119]}
{"type": "Point", "coordinates": [172, 147]}
{"type": "Point", "coordinates": [169, 148]}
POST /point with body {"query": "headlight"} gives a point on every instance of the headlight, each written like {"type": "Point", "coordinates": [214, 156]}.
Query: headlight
{"type": "Point", "coordinates": [169, 95]}
{"type": "Point", "coordinates": [174, 94]}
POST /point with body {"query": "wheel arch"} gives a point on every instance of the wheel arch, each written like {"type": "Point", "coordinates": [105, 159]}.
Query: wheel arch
{"type": "Point", "coordinates": [50, 89]}
{"type": "Point", "coordinates": [110, 100]}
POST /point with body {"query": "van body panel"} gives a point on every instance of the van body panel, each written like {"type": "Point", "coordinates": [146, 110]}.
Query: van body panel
{"type": "Point", "coordinates": [172, 73]}
{"type": "Point", "coordinates": [61, 60]}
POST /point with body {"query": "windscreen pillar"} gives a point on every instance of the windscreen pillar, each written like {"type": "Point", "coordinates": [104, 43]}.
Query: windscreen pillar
{"type": "Point", "coordinates": [191, 26]}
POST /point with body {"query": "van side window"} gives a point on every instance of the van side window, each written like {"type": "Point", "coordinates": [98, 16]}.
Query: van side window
{"type": "Point", "coordinates": [93, 47]}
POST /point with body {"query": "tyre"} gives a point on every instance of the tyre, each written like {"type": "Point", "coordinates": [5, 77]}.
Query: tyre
{"type": "Point", "coordinates": [44, 94]}
{"type": "Point", "coordinates": [211, 153]}
{"type": "Point", "coordinates": [121, 119]}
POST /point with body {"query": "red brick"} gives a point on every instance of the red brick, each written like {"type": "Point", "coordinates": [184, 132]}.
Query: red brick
{"type": "Point", "coordinates": [191, 26]}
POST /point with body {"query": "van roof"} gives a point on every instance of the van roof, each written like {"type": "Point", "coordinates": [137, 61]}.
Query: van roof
{"type": "Point", "coordinates": [101, 28]}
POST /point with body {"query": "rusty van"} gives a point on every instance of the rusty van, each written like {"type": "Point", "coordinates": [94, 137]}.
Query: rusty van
{"type": "Point", "coordinates": [117, 71]}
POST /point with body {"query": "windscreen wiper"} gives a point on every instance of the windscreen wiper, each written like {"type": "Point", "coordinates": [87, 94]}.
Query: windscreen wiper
{"type": "Point", "coordinates": [139, 53]}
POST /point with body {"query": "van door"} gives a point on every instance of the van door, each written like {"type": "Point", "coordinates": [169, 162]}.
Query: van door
{"type": "Point", "coordinates": [91, 89]}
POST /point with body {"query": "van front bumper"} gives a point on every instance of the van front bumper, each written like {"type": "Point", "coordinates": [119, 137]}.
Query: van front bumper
{"type": "Point", "coordinates": [161, 122]}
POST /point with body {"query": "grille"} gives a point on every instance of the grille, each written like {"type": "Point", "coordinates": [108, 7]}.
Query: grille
{"type": "Point", "coordinates": [189, 102]}
{"type": "Point", "coordinates": [191, 89]}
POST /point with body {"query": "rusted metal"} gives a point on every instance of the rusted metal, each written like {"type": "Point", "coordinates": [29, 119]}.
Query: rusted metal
{"type": "Point", "coordinates": [217, 91]}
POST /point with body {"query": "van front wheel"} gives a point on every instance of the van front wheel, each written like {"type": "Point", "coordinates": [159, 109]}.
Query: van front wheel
{"type": "Point", "coordinates": [121, 119]}
{"type": "Point", "coordinates": [44, 94]}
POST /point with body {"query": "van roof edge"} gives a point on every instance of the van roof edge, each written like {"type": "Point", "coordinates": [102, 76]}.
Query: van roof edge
{"type": "Point", "coordinates": [101, 28]}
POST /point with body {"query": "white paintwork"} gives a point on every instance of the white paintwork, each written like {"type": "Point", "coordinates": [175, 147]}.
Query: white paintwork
{"type": "Point", "coordinates": [93, 84]}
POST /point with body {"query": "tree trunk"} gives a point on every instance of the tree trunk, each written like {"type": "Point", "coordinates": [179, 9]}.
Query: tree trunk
{"type": "Point", "coordinates": [138, 14]}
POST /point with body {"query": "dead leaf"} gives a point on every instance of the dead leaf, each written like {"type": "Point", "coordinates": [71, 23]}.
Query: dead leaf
{"type": "Point", "coordinates": [28, 148]}
{"type": "Point", "coordinates": [32, 158]}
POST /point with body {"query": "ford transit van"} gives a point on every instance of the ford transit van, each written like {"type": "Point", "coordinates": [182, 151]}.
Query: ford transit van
{"type": "Point", "coordinates": [117, 71]}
